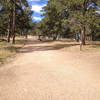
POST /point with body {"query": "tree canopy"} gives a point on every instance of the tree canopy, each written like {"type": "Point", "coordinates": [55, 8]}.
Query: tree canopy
{"type": "Point", "coordinates": [71, 16]}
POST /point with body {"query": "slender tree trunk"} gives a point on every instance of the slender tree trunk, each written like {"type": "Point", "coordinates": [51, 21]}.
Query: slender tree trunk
{"type": "Point", "coordinates": [93, 36]}
{"type": "Point", "coordinates": [26, 35]}
{"type": "Point", "coordinates": [39, 38]}
{"type": "Point", "coordinates": [9, 35]}
{"type": "Point", "coordinates": [83, 35]}
{"type": "Point", "coordinates": [83, 30]}
{"type": "Point", "coordinates": [13, 25]}
{"type": "Point", "coordinates": [9, 29]}
{"type": "Point", "coordinates": [55, 37]}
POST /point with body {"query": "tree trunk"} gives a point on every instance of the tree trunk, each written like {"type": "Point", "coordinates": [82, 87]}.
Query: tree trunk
{"type": "Point", "coordinates": [26, 35]}
{"type": "Point", "coordinates": [13, 41]}
{"type": "Point", "coordinates": [39, 38]}
{"type": "Point", "coordinates": [9, 29]}
{"type": "Point", "coordinates": [9, 35]}
{"type": "Point", "coordinates": [83, 35]}
{"type": "Point", "coordinates": [83, 26]}
{"type": "Point", "coordinates": [13, 25]}
{"type": "Point", "coordinates": [93, 36]}
{"type": "Point", "coordinates": [55, 37]}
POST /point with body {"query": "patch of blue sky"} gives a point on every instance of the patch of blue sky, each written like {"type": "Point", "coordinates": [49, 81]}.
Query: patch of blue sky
{"type": "Point", "coordinates": [37, 6]}
{"type": "Point", "coordinates": [0, 7]}
{"type": "Point", "coordinates": [93, 5]}
{"type": "Point", "coordinates": [37, 17]}
{"type": "Point", "coordinates": [38, 2]}
{"type": "Point", "coordinates": [98, 12]}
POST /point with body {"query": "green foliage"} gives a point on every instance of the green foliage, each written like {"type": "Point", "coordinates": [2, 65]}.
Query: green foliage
{"type": "Point", "coordinates": [23, 19]}
{"type": "Point", "coordinates": [61, 15]}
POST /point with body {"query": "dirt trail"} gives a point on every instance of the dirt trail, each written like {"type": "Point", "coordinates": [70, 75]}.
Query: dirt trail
{"type": "Point", "coordinates": [45, 71]}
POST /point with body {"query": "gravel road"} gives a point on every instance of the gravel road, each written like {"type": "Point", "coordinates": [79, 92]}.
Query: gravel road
{"type": "Point", "coordinates": [43, 72]}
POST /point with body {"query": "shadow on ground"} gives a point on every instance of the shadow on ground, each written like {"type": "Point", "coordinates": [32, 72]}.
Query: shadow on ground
{"type": "Point", "coordinates": [47, 41]}
{"type": "Point", "coordinates": [31, 45]}
{"type": "Point", "coordinates": [28, 49]}
{"type": "Point", "coordinates": [39, 42]}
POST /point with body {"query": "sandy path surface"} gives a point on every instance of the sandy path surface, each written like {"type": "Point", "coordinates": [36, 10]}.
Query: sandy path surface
{"type": "Point", "coordinates": [46, 72]}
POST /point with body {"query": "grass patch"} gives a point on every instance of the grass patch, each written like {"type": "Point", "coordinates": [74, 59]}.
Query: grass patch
{"type": "Point", "coordinates": [8, 50]}
{"type": "Point", "coordinates": [96, 46]}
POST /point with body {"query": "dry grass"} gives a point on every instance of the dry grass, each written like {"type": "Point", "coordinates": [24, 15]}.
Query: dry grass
{"type": "Point", "coordinates": [8, 50]}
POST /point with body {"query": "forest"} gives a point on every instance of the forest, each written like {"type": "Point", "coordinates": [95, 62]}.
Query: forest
{"type": "Point", "coordinates": [79, 19]}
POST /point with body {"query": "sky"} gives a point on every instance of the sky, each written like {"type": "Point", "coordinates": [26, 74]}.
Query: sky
{"type": "Point", "coordinates": [37, 6]}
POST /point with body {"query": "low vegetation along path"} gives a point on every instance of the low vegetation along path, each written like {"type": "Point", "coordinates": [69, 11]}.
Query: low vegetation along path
{"type": "Point", "coordinates": [51, 71]}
